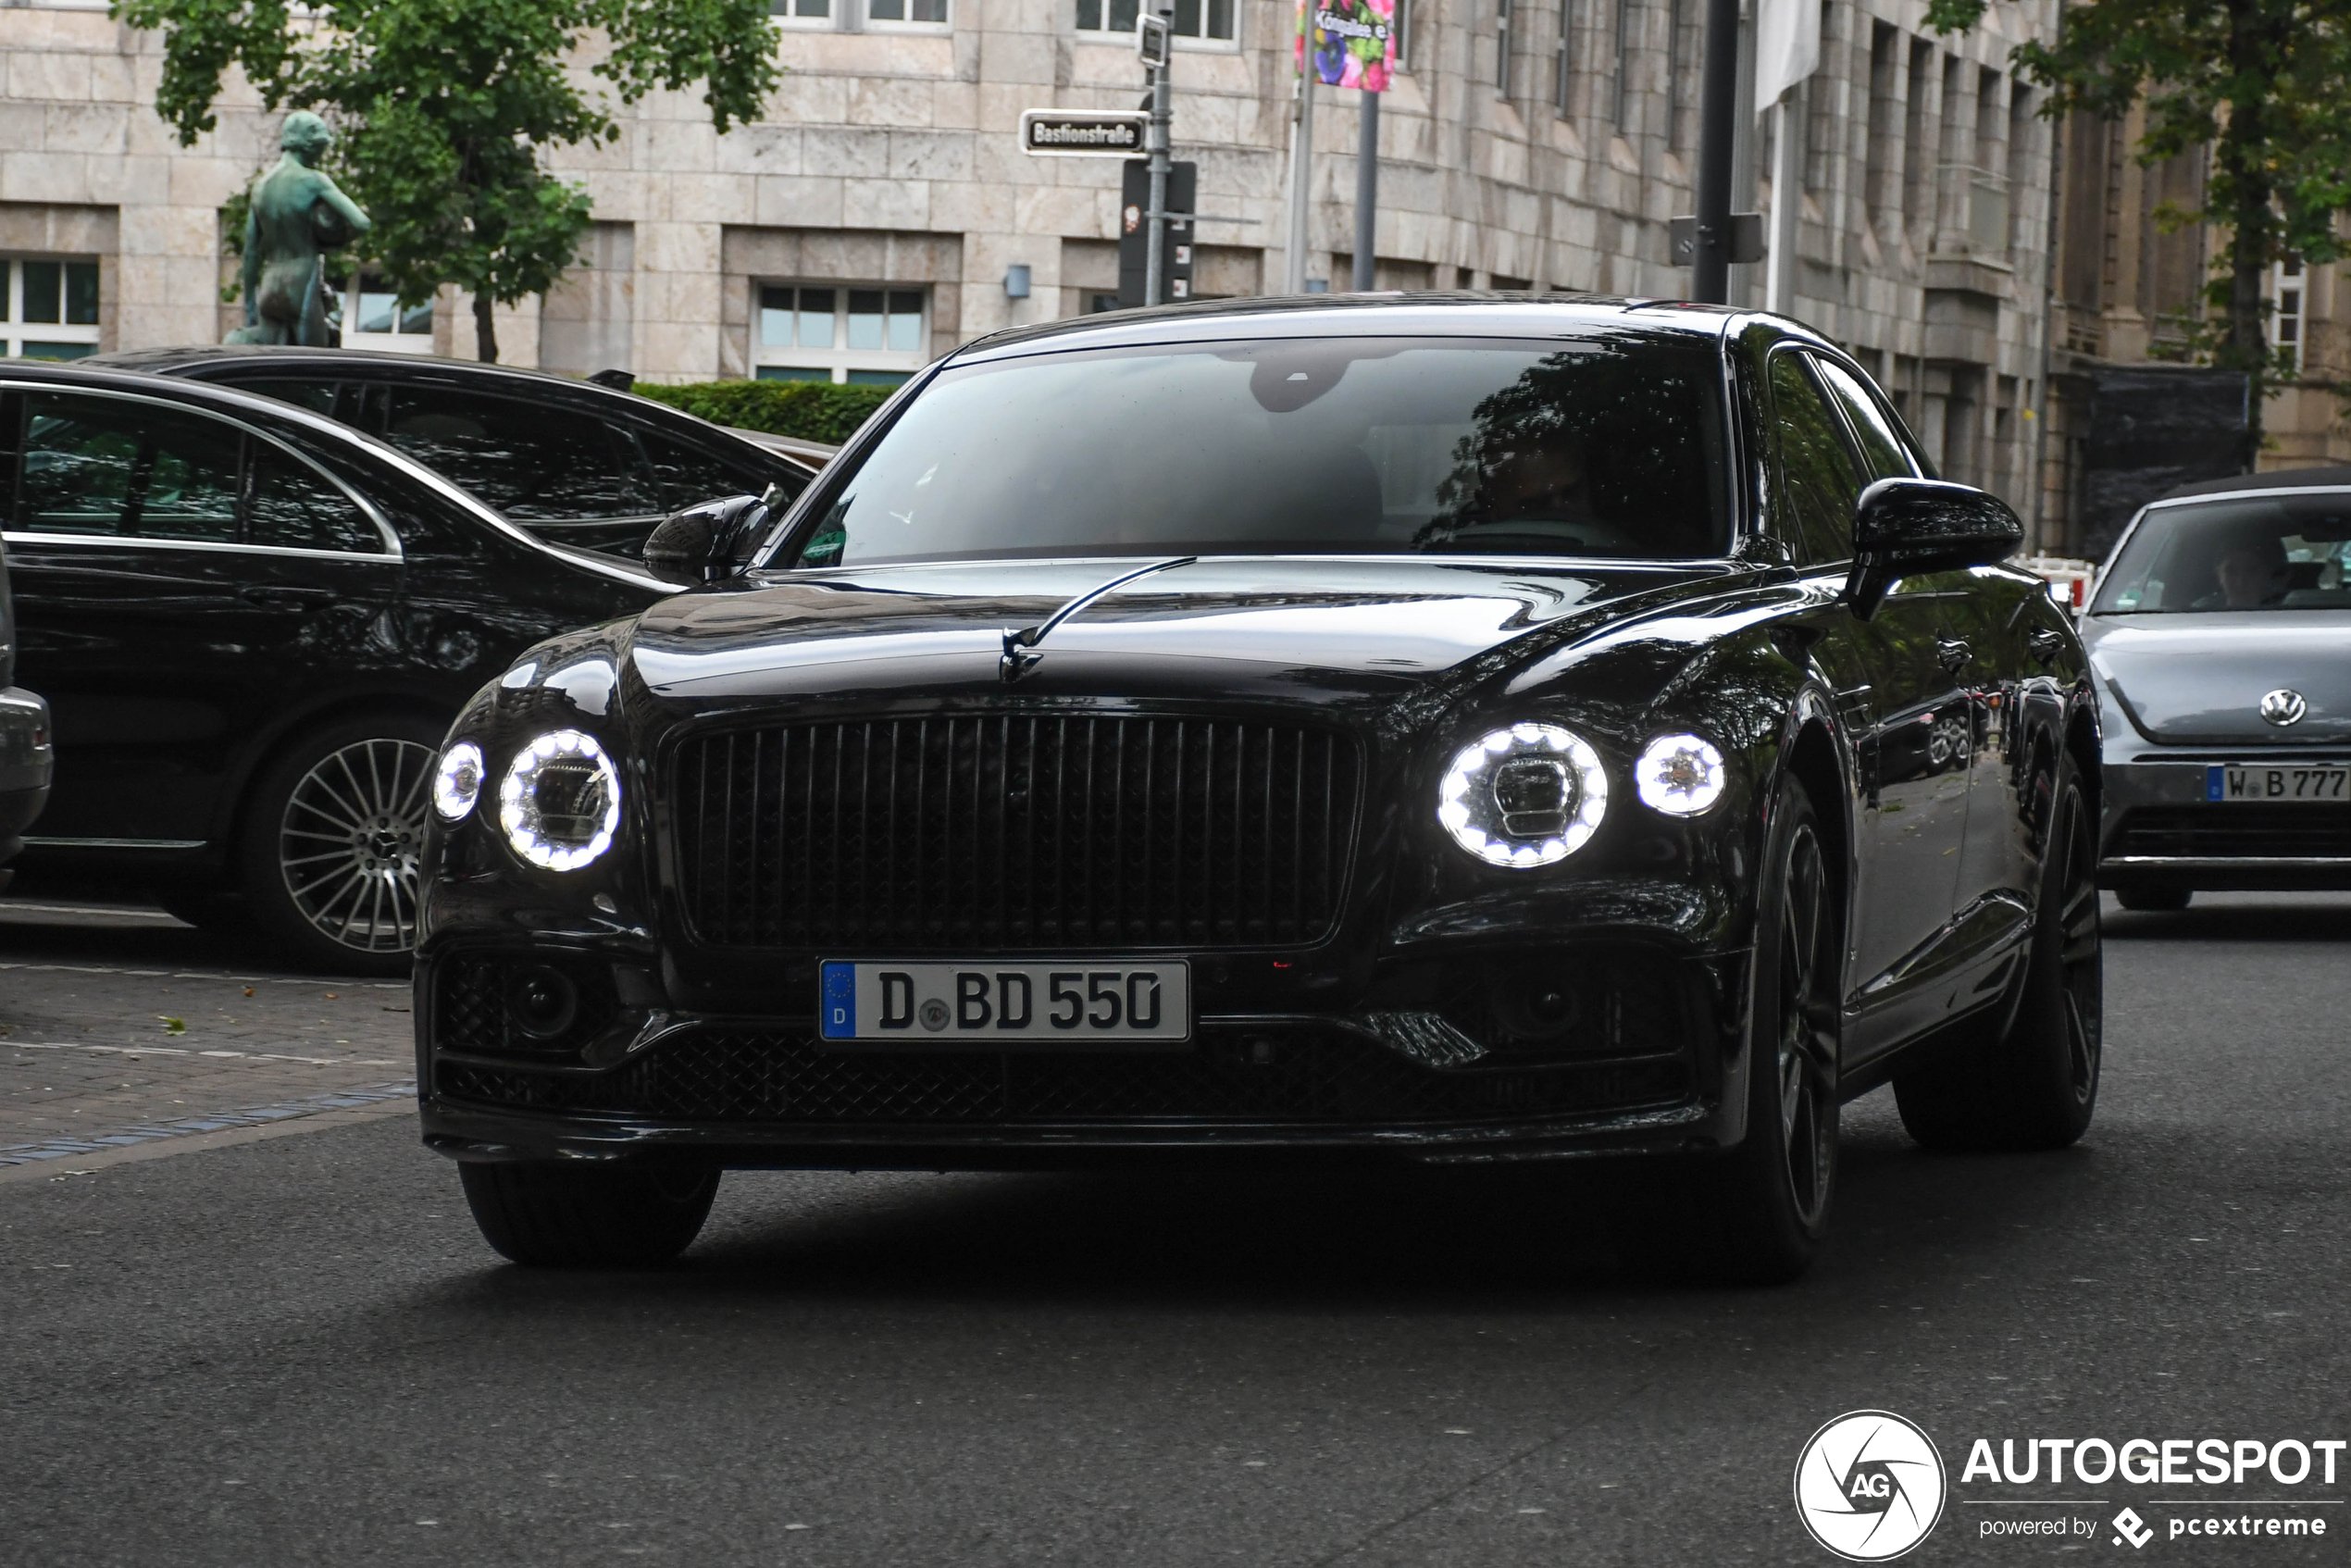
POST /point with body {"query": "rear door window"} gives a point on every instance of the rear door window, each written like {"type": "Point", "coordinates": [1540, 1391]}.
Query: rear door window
{"type": "Point", "coordinates": [292, 506]}
{"type": "Point", "coordinates": [113, 467]}
{"type": "Point", "coordinates": [530, 462]}
{"type": "Point", "coordinates": [317, 396]}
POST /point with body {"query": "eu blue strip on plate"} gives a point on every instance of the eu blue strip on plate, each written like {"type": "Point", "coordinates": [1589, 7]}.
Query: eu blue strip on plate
{"type": "Point", "coordinates": [838, 1005]}
{"type": "Point", "coordinates": [2213, 782]}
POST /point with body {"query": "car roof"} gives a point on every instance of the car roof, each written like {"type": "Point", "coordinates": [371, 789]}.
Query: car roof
{"type": "Point", "coordinates": [2287, 479]}
{"type": "Point", "coordinates": [1367, 315]}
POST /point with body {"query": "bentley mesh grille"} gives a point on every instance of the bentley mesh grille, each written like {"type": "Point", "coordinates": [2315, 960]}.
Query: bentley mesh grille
{"type": "Point", "coordinates": [2254, 831]}
{"type": "Point", "coordinates": [1014, 832]}
{"type": "Point", "coordinates": [1319, 1078]}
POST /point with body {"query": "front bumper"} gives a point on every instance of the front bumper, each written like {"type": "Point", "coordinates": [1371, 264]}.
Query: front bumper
{"type": "Point", "coordinates": [27, 759]}
{"type": "Point", "coordinates": [2160, 830]}
{"type": "Point", "coordinates": [641, 1081]}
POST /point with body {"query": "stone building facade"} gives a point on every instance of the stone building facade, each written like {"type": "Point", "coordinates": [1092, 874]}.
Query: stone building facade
{"type": "Point", "coordinates": [869, 221]}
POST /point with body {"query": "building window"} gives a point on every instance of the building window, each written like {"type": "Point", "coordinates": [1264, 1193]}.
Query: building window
{"type": "Point", "coordinates": [1501, 48]}
{"type": "Point", "coordinates": [2288, 289]}
{"type": "Point", "coordinates": [929, 11]}
{"type": "Point", "coordinates": [871, 336]}
{"type": "Point", "coordinates": [1621, 110]}
{"type": "Point", "coordinates": [817, 12]}
{"type": "Point", "coordinates": [1189, 19]}
{"type": "Point", "coordinates": [372, 318]}
{"type": "Point", "coordinates": [1562, 76]}
{"type": "Point", "coordinates": [53, 309]}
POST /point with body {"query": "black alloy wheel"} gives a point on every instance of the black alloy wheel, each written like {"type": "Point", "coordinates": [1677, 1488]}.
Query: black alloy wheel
{"type": "Point", "coordinates": [1756, 1214]}
{"type": "Point", "coordinates": [2037, 1085]}
{"type": "Point", "coordinates": [576, 1215]}
{"type": "Point", "coordinates": [330, 845]}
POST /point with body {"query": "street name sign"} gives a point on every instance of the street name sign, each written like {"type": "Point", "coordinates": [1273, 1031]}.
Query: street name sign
{"type": "Point", "coordinates": [1083, 134]}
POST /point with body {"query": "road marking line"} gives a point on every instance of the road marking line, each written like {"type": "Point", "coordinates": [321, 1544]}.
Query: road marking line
{"type": "Point", "coordinates": [318, 981]}
{"type": "Point", "coordinates": [20, 1159]}
{"type": "Point", "coordinates": [182, 1050]}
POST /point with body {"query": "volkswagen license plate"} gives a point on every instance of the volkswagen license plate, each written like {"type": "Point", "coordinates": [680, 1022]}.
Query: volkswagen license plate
{"type": "Point", "coordinates": [928, 1005]}
{"type": "Point", "coordinates": [2234, 782]}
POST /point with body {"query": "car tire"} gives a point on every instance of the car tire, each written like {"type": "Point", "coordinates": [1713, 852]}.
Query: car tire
{"type": "Point", "coordinates": [1756, 1214]}
{"type": "Point", "coordinates": [549, 1215]}
{"type": "Point", "coordinates": [2155, 901]}
{"type": "Point", "coordinates": [2037, 1085]}
{"type": "Point", "coordinates": [327, 851]}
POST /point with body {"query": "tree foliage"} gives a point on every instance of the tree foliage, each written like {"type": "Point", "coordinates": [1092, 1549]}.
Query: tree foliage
{"type": "Point", "coordinates": [446, 108]}
{"type": "Point", "coordinates": [2266, 84]}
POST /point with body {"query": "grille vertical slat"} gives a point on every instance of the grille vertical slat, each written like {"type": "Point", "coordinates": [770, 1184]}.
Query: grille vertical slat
{"type": "Point", "coordinates": [1007, 831]}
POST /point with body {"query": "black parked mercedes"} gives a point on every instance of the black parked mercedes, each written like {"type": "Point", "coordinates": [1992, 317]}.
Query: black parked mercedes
{"type": "Point", "coordinates": [572, 461]}
{"type": "Point", "coordinates": [252, 625]}
{"type": "Point", "coordinates": [1428, 729]}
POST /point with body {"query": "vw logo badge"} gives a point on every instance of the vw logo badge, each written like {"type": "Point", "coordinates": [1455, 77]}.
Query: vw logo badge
{"type": "Point", "coordinates": [2283, 706]}
{"type": "Point", "coordinates": [1870, 1485]}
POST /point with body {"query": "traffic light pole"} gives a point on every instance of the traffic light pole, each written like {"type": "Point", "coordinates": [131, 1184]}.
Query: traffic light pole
{"type": "Point", "coordinates": [1718, 126]}
{"type": "Point", "coordinates": [1155, 216]}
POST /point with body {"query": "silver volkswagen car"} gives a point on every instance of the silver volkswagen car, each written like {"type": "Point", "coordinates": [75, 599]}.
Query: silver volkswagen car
{"type": "Point", "coordinates": [2220, 637]}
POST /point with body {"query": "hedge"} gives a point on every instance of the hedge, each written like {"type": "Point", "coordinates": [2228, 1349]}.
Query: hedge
{"type": "Point", "coordinates": [806, 410]}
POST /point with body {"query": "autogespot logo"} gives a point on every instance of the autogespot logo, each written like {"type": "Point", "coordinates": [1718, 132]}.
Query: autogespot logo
{"type": "Point", "coordinates": [1870, 1485]}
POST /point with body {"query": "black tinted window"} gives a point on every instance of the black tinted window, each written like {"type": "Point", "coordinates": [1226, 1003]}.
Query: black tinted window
{"type": "Point", "coordinates": [1817, 479]}
{"type": "Point", "coordinates": [293, 507]}
{"type": "Point", "coordinates": [533, 464]}
{"type": "Point", "coordinates": [109, 467]}
{"type": "Point", "coordinates": [1882, 454]}
{"type": "Point", "coordinates": [1607, 447]}
{"type": "Point", "coordinates": [317, 396]}
{"type": "Point", "coordinates": [686, 475]}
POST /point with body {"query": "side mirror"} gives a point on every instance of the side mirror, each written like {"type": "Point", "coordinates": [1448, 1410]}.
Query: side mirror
{"type": "Point", "coordinates": [1903, 528]}
{"type": "Point", "coordinates": [710, 541]}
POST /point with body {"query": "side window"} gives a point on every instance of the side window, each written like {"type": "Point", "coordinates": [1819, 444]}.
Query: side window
{"type": "Point", "coordinates": [686, 475]}
{"type": "Point", "coordinates": [533, 463]}
{"type": "Point", "coordinates": [317, 396]}
{"type": "Point", "coordinates": [117, 468]}
{"type": "Point", "coordinates": [1818, 478]}
{"type": "Point", "coordinates": [293, 507]}
{"type": "Point", "coordinates": [1882, 454]}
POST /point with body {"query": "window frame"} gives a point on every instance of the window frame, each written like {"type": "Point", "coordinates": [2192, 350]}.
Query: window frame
{"type": "Point", "coordinates": [16, 331]}
{"type": "Point", "coordinates": [840, 361]}
{"type": "Point", "coordinates": [390, 537]}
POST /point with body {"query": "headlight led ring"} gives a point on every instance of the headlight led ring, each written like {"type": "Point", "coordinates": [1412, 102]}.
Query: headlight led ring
{"type": "Point", "coordinates": [1529, 795]}
{"type": "Point", "coordinates": [1680, 774]}
{"type": "Point", "coordinates": [456, 784]}
{"type": "Point", "coordinates": [560, 801]}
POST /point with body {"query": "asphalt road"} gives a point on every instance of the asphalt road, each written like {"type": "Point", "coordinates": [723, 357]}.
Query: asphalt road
{"type": "Point", "coordinates": [296, 1351]}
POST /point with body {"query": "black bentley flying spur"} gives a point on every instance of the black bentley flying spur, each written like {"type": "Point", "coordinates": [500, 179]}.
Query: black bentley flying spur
{"type": "Point", "coordinates": [1405, 728]}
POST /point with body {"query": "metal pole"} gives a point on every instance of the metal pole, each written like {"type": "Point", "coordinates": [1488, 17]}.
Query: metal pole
{"type": "Point", "coordinates": [1366, 190]}
{"type": "Point", "coordinates": [1787, 201]}
{"type": "Point", "coordinates": [1301, 169]}
{"type": "Point", "coordinates": [1155, 145]}
{"type": "Point", "coordinates": [1717, 98]}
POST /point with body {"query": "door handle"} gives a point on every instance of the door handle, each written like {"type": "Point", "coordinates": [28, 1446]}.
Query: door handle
{"type": "Point", "coordinates": [282, 596]}
{"type": "Point", "coordinates": [1953, 653]}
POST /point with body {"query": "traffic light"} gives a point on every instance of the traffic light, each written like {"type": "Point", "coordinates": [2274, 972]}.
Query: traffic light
{"type": "Point", "coordinates": [1175, 240]}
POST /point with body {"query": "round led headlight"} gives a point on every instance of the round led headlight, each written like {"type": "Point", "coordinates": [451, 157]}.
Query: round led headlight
{"type": "Point", "coordinates": [560, 801]}
{"type": "Point", "coordinates": [1679, 775]}
{"type": "Point", "coordinates": [1526, 796]}
{"type": "Point", "coordinates": [457, 784]}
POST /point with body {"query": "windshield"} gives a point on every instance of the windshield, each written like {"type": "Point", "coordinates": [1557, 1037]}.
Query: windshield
{"type": "Point", "coordinates": [1610, 447]}
{"type": "Point", "coordinates": [2252, 553]}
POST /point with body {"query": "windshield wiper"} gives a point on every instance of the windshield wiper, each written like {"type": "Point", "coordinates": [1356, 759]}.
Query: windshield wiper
{"type": "Point", "coordinates": [1020, 654]}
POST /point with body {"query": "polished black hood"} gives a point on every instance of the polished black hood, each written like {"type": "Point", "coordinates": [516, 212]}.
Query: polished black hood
{"type": "Point", "coordinates": [1235, 627]}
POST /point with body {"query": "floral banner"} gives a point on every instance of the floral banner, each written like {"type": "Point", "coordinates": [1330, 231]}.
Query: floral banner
{"type": "Point", "coordinates": [1353, 42]}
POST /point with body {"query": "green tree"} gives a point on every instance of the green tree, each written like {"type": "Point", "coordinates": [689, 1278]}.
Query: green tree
{"type": "Point", "coordinates": [446, 108]}
{"type": "Point", "coordinates": [2265, 83]}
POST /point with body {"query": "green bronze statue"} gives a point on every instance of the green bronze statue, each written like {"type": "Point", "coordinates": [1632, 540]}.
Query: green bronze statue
{"type": "Point", "coordinates": [297, 214]}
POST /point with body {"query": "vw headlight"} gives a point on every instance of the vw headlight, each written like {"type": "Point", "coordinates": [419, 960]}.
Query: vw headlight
{"type": "Point", "coordinates": [457, 783]}
{"type": "Point", "coordinates": [1679, 775]}
{"type": "Point", "coordinates": [560, 801]}
{"type": "Point", "coordinates": [1526, 796]}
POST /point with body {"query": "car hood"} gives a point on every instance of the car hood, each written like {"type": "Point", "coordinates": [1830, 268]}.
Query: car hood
{"type": "Point", "coordinates": [2198, 680]}
{"type": "Point", "coordinates": [1231, 627]}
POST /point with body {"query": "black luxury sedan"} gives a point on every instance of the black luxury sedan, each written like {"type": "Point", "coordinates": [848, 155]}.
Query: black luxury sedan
{"type": "Point", "coordinates": [1411, 728]}
{"type": "Point", "coordinates": [28, 758]}
{"type": "Point", "coordinates": [577, 462]}
{"type": "Point", "coordinates": [2221, 638]}
{"type": "Point", "coordinates": [253, 626]}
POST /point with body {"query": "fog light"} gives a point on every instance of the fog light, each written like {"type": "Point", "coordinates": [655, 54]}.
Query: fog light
{"type": "Point", "coordinates": [1680, 774]}
{"type": "Point", "coordinates": [542, 1001]}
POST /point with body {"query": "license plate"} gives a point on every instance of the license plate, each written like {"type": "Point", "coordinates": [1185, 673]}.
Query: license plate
{"type": "Point", "coordinates": [2232, 783]}
{"type": "Point", "coordinates": [926, 1006]}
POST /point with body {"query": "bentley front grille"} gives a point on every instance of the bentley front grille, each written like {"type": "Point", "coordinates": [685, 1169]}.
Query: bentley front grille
{"type": "Point", "coordinates": [1001, 833]}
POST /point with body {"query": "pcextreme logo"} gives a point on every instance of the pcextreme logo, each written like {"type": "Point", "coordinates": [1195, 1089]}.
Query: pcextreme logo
{"type": "Point", "coordinates": [1870, 1485]}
